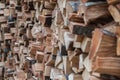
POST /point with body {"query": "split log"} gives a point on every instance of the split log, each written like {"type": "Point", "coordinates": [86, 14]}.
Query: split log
{"type": "Point", "coordinates": [103, 65]}
{"type": "Point", "coordinates": [75, 77]}
{"type": "Point", "coordinates": [74, 17]}
{"type": "Point", "coordinates": [66, 63]}
{"type": "Point", "coordinates": [51, 61]}
{"type": "Point", "coordinates": [49, 6]}
{"type": "Point", "coordinates": [68, 38]}
{"type": "Point", "coordinates": [55, 73]}
{"type": "Point", "coordinates": [100, 14]}
{"type": "Point", "coordinates": [77, 41]}
{"type": "Point", "coordinates": [98, 44]}
{"type": "Point", "coordinates": [115, 13]}
{"type": "Point", "coordinates": [113, 1]}
{"type": "Point", "coordinates": [85, 45]}
{"type": "Point", "coordinates": [39, 56]}
{"type": "Point", "coordinates": [47, 71]}
{"type": "Point", "coordinates": [81, 29]}
{"type": "Point", "coordinates": [118, 46]}
{"type": "Point", "coordinates": [45, 20]}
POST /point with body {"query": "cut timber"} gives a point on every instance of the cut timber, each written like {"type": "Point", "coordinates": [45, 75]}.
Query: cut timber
{"type": "Point", "coordinates": [111, 27]}
{"type": "Point", "coordinates": [49, 6]}
{"type": "Point", "coordinates": [67, 67]}
{"type": "Point", "coordinates": [95, 78]}
{"type": "Point", "coordinates": [20, 75]}
{"type": "Point", "coordinates": [55, 50]}
{"type": "Point", "coordinates": [7, 36]}
{"type": "Point", "coordinates": [74, 64]}
{"type": "Point", "coordinates": [13, 30]}
{"type": "Point", "coordinates": [85, 46]}
{"type": "Point", "coordinates": [98, 44]}
{"type": "Point", "coordinates": [113, 1]}
{"type": "Point", "coordinates": [47, 70]}
{"type": "Point", "coordinates": [39, 56]}
{"type": "Point", "coordinates": [45, 20]}
{"type": "Point", "coordinates": [74, 17]}
{"type": "Point", "coordinates": [68, 38]}
{"type": "Point", "coordinates": [81, 62]}
{"type": "Point", "coordinates": [115, 13]}
{"type": "Point", "coordinates": [46, 12]}
{"type": "Point", "coordinates": [72, 6]}
{"type": "Point", "coordinates": [100, 13]}
{"type": "Point", "coordinates": [88, 64]}
{"type": "Point", "coordinates": [86, 75]}
{"type": "Point", "coordinates": [118, 46]}
{"type": "Point", "coordinates": [58, 18]}
{"type": "Point", "coordinates": [103, 65]}
{"type": "Point", "coordinates": [55, 73]}
{"type": "Point", "coordinates": [81, 29]}
{"type": "Point", "coordinates": [51, 61]}
{"type": "Point", "coordinates": [37, 67]}
{"type": "Point", "coordinates": [3, 19]}
{"type": "Point", "coordinates": [75, 77]}
{"type": "Point", "coordinates": [77, 41]}
{"type": "Point", "coordinates": [6, 12]}
{"type": "Point", "coordinates": [58, 60]}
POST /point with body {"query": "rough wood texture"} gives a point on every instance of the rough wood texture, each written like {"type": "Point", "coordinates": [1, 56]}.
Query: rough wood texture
{"type": "Point", "coordinates": [99, 48]}
{"type": "Point", "coordinates": [103, 65]}
{"type": "Point", "coordinates": [115, 13]}
{"type": "Point", "coordinates": [100, 13]}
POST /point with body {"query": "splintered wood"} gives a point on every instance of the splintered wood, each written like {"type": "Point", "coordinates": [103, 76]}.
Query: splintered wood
{"type": "Point", "coordinates": [60, 39]}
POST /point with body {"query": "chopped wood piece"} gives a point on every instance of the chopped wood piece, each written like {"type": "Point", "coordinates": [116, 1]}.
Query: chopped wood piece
{"type": "Point", "coordinates": [113, 1]}
{"type": "Point", "coordinates": [115, 13]}
{"type": "Point", "coordinates": [69, 38]}
{"type": "Point", "coordinates": [81, 29]}
{"type": "Point", "coordinates": [77, 41]}
{"type": "Point", "coordinates": [100, 13]}
{"type": "Point", "coordinates": [118, 46]}
{"type": "Point", "coordinates": [75, 77]}
{"type": "Point", "coordinates": [103, 65]}
{"type": "Point", "coordinates": [99, 47]}
{"type": "Point", "coordinates": [86, 43]}
{"type": "Point", "coordinates": [67, 67]}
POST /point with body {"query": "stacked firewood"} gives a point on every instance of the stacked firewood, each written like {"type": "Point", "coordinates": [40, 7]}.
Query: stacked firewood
{"type": "Point", "coordinates": [60, 39]}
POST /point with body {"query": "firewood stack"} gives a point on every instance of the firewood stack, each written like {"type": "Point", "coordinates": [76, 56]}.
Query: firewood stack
{"type": "Point", "coordinates": [60, 39]}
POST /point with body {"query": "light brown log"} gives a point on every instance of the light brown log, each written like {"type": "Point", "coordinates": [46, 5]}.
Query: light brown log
{"type": "Point", "coordinates": [113, 1]}
{"type": "Point", "coordinates": [103, 65]}
{"type": "Point", "coordinates": [47, 70]}
{"type": "Point", "coordinates": [77, 41]}
{"type": "Point", "coordinates": [86, 43]}
{"type": "Point", "coordinates": [99, 47]}
{"type": "Point", "coordinates": [75, 77]}
{"type": "Point", "coordinates": [118, 46]}
{"type": "Point", "coordinates": [67, 67]}
{"type": "Point", "coordinates": [100, 13]}
{"type": "Point", "coordinates": [68, 38]}
{"type": "Point", "coordinates": [115, 13]}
